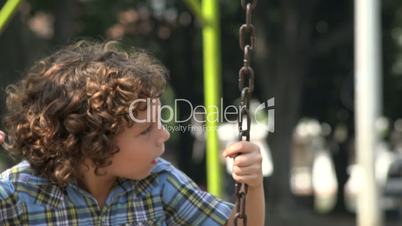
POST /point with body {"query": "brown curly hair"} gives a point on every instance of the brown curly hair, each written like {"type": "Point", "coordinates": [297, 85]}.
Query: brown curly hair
{"type": "Point", "coordinates": [70, 106]}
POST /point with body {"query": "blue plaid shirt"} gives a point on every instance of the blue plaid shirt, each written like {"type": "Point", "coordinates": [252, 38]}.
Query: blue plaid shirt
{"type": "Point", "coordinates": [166, 197]}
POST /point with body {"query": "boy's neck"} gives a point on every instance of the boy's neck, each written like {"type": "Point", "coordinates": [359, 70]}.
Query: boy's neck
{"type": "Point", "coordinates": [98, 186]}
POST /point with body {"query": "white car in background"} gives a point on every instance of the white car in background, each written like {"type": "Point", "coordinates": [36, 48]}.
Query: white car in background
{"type": "Point", "coordinates": [388, 171]}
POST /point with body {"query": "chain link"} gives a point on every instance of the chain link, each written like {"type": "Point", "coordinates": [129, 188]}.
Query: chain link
{"type": "Point", "coordinates": [246, 86]}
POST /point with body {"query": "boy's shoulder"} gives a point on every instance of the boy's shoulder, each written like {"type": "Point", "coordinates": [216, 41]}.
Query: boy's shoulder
{"type": "Point", "coordinates": [165, 168]}
{"type": "Point", "coordinates": [21, 173]}
{"type": "Point", "coordinates": [162, 165]}
{"type": "Point", "coordinates": [168, 173]}
{"type": "Point", "coordinates": [20, 177]}
{"type": "Point", "coordinates": [163, 173]}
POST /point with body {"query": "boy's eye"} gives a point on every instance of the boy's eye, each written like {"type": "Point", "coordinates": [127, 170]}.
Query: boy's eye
{"type": "Point", "coordinates": [147, 130]}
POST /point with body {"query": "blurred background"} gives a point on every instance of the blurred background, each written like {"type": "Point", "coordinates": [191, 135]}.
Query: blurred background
{"type": "Point", "coordinates": [304, 58]}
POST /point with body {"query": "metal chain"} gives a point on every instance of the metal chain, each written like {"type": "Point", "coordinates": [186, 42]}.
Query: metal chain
{"type": "Point", "coordinates": [246, 86]}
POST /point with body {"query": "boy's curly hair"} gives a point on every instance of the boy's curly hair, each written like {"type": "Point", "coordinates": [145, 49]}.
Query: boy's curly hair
{"type": "Point", "coordinates": [70, 106]}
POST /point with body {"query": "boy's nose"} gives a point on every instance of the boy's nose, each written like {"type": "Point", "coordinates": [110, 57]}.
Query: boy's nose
{"type": "Point", "coordinates": [165, 135]}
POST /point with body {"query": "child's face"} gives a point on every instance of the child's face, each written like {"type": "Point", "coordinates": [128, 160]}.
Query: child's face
{"type": "Point", "coordinates": [139, 146]}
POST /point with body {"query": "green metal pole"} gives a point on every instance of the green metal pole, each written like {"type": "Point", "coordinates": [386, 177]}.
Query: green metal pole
{"type": "Point", "coordinates": [212, 70]}
{"type": "Point", "coordinates": [8, 10]}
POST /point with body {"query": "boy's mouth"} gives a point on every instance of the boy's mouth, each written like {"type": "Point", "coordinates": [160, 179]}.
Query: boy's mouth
{"type": "Point", "coordinates": [154, 161]}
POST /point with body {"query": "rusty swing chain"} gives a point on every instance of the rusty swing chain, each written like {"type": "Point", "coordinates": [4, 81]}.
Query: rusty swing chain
{"type": "Point", "coordinates": [246, 86]}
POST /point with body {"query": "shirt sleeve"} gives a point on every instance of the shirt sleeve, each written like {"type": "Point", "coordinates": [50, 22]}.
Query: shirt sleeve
{"type": "Point", "coordinates": [186, 204]}
{"type": "Point", "coordinates": [8, 204]}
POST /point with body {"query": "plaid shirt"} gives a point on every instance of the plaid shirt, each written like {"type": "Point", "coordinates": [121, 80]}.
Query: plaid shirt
{"type": "Point", "coordinates": [166, 197]}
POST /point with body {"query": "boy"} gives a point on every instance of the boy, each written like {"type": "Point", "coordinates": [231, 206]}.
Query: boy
{"type": "Point", "coordinates": [88, 162]}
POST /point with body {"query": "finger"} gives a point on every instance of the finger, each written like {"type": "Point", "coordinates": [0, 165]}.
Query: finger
{"type": "Point", "coordinates": [2, 135]}
{"type": "Point", "coordinates": [245, 179]}
{"type": "Point", "coordinates": [239, 147]}
{"type": "Point", "coordinates": [245, 171]}
{"type": "Point", "coordinates": [247, 159]}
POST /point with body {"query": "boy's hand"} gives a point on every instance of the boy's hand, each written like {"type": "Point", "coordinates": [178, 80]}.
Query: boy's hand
{"type": "Point", "coordinates": [247, 167]}
{"type": "Point", "coordinates": [2, 135]}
